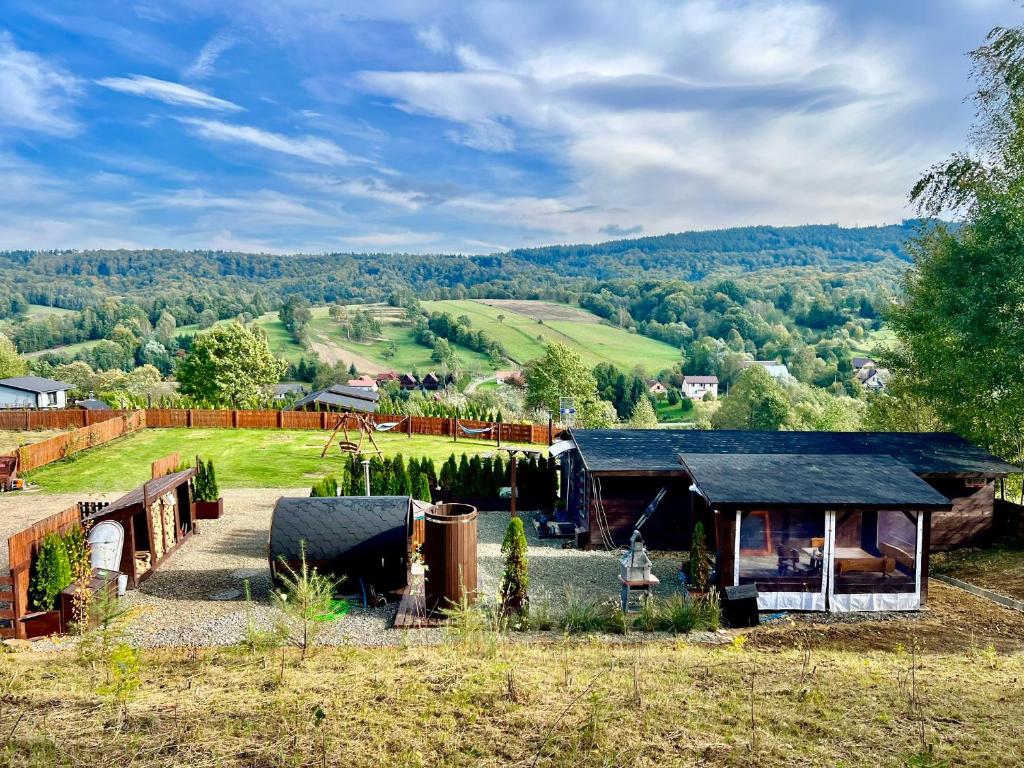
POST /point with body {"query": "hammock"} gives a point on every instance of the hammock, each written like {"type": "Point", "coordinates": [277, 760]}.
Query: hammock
{"type": "Point", "coordinates": [480, 431]}
{"type": "Point", "coordinates": [387, 426]}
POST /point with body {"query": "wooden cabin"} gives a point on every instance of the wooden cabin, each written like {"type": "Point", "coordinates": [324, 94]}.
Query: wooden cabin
{"type": "Point", "coordinates": [879, 493]}
{"type": "Point", "coordinates": [157, 517]}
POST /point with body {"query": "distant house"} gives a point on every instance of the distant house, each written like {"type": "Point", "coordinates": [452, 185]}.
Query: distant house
{"type": "Point", "coordinates": [92, 404]}
{"type": "Point", "coordinates": [339, 398]}
{"type": "Point", "coordinates": [386, 377]}
{"type": "Point", "coordinates": [431, 381]}
{"type": "Point", "coordinates": [776, 370]}
{"type": "Point", "coordinates": [364, 382]}
{"type": "Point", "coordinates": [33, 392]}
{"type": "Point", "coordinates": [862, 362]}
{"type": "Point", "coordinates": [696, 387]}
{"type": "Point", "coordinates": [289, 389]}
{"type": "Point", "coordinates": [409, 381]}
{"type": "Point", "coordinates": [873, 378]}
{"type": "Point", "coordinates": [656, 388]}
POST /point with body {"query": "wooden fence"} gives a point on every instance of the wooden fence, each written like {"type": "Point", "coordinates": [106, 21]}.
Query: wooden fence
{"type": "Point", "coordinates": [22, 548]}
{"type": "Point", "coordinates": [61, 446]}
{"type": "Point", "coordinates": [89, 429]}
{"type": "Point", "coordinates": [164, 466]}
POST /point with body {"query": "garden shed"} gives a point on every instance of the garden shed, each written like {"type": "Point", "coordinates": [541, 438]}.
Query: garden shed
{"type": "Point", "coordinates": [610, 476]}
{"type": "Point", "coordinates": [157, 517]}
{"type": "Point", "coordinates": [815, 532]}
{"type": "Point", "coordinates": [365, 539]}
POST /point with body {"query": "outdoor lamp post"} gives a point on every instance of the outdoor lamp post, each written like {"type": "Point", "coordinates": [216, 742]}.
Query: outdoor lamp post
{"type": "Point", "coordinates": [366, 476]}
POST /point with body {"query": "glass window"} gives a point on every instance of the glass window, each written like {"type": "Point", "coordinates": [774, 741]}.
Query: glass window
{"type": "Point", "coordinates": [782, 550]}
{"type": "Point", "coordinates": [875, 552]}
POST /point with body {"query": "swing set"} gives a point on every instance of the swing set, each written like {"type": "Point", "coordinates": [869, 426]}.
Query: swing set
{"type": "Point", "coordinates": [361, 425]}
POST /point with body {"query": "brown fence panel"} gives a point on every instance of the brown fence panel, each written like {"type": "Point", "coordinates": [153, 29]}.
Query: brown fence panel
{"type": "Point", "coordinates": [166, 417]}
{"type": "Point", "coordinates": [257, 419]}
{"type": "Point", "coordinates": [70, 443]}
{"type": "Point", "coordinates": [303, 420]}
{"type": "Point", "coordinates": [165, 465]}
{"type": "Point", "coordinates": [211, 419]}
{"type": "Point", "coordinates": [26, 420]}
{"type": "Point", "coordinates": [22, 547]}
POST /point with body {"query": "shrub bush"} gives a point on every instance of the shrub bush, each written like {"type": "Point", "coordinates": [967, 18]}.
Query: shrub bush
{"type": "Point", "coordinates": [515, 580]}
{"type": "Point", "coordinates": [327, 486]}
{"type": "Point", "coordinates": [204, 485]}
{"type": "Point", "coordinates": [51, 572]}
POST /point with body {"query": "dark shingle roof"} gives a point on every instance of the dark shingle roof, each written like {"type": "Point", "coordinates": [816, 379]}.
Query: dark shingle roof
{"type": "Point", "coordinates": [34, 384]}
{"type": "Point", "coordinates": [92, 405]}
{"type": "Point", "coordinates": [832, 481]}
{"type": "Point", "coordinates": [352, 533]}
{"type": "Point", "coordinates": [338, 400]}
{"type": "Point", "coordinates": [657, 450]}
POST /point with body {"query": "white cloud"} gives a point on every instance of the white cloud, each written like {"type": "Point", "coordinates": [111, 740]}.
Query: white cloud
{"type": "Point", "coordinates": [312, 148]}
{"type": "Point", "coordinates": [167, 92]}
{"type": "Point", "coordinates": [35, 95]}
{"type": "Point", "coordinates": [204, 63]}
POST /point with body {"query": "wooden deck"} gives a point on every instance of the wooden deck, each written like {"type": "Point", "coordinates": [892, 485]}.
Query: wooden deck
{"type": "Point", "coordinates": [412, 608]}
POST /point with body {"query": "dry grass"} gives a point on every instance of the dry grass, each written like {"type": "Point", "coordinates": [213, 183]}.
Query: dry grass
{"type": "Point", "coordinates": [9, 440]}
{"type": "Point", "coordinates": [1000, 569]}
{"type": "Point", "coordinates": [555, 705]}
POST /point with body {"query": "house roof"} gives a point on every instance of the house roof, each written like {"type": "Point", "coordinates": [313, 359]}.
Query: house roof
{"type": "Point", "coordinates": [700, 379]}
{"type": "Point", "coordinates": [331, 398]}
{"type": "Point", "coordinates": [35, 384]}
{"type": "Point", "coordinates": [831, 481]}
{"type": "Point", "coordinates": [287, 388]}
{"type": "Point", "coordinates": [92, 404]}
{"type": "Point", "coordinates": [657, 450]}
{"type": "Point", "coordinates": [860, 362]}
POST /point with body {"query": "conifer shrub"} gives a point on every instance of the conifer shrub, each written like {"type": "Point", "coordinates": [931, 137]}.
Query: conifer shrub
{"type": "Point", "coordinates": [515, 580]}
{"type": "Point", "coordinates": [51, 572]}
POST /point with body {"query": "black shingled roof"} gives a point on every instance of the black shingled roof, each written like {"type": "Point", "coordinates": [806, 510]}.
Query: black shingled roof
{"type": "Point", "coordinates": [34, 384]}
{"type": "Point", "coordinates": [657, 450]}
{"type": "Point", "coordinates": [356, 536]}
{"type": "Point", "coordinates": [832, 481]}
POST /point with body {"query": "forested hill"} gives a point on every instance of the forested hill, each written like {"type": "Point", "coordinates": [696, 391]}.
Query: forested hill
{"type": "Point", "coordinates": [695, 255]}
{"type": "Point", "coordinates": [75, 279]}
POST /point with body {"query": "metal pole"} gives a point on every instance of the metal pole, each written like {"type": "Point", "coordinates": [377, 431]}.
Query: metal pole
{"type": "Point", "coordinates": [366, 476]}
{"type": "Point", "coordinates": [512, 480]}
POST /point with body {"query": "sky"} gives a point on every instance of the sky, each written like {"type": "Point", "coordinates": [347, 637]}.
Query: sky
{"type": "Point", "coordinates": [469, 127]}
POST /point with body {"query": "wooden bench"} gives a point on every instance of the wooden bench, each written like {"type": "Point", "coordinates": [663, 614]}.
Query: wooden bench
{"type": "Point", "coordinates": [882, 565]}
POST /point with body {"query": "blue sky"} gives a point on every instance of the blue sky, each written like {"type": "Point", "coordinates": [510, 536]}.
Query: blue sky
{"type": "Point", "coordinates": [323, 125]}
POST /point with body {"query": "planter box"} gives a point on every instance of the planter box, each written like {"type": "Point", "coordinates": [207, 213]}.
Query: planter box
{"type": "Point", "coordinates": [41, 624]}
{"type": "Point", "coordinates": [209, 510]}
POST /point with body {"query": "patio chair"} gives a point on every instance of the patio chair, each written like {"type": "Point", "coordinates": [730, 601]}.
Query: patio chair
{"type": "Point", "coordinates": [788, 559]}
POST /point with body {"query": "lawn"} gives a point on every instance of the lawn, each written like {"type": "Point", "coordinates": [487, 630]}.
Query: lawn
{"type": "Point", "coordinates": [999, 568]}
{"type": "Point", "coordinates": [524, 337]}
{"type": "Point", "coordinates": [564, 703]}
{"type": "Point", "coordinates": [244, 458]}
{"type": "Point", "coordinates": [41, 311]}
{"type": "Point", "coordinates": [682, 411]}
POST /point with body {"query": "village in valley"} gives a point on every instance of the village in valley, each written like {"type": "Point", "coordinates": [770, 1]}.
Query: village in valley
{"type": "Point", "coordinates": [338, 466]}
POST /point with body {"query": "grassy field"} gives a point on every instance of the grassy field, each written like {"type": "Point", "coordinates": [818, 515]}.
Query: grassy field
{"type": "Point", "coordinates": [330, 342]}
{"type": "Point", "coordinates": [244, 458]}
{"type": "Point", "coordinates": [1000, 569]}
{"type": "Point", "coordinates": [672, 414]}
{"type": "Point", "coordinates": [524, 336]}
{"type": "Point", "coordinates": [40, 311]}
{"type": "Point", "coordinates": [567, 704]}
{"type": "Point", "coordinates": [883, 337]}
{"type": "Point", "coordinates": [281, 342]}
{"type": "Point", "coordinates": [70, 350]}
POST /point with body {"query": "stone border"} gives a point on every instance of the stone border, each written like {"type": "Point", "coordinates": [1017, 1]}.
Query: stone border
{"type": "Point", "coordinates": [1006, 602]}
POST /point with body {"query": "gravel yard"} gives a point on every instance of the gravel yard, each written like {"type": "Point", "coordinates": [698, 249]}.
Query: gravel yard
{"type": "Point", "coordinates": [195, 599]}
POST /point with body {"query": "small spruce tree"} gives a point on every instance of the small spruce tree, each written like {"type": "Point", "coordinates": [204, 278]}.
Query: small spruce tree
{"type": "Point", "coordinates": [462, 477]}
{"type": "Point", "coordinates": [51, 572]}
{"type": "Point", "coordinates": [700, 560]}
{"type": "Point", "coordinates": [515, 580]}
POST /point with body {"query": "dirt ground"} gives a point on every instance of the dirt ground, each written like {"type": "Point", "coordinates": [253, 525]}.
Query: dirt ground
{"type": "Point", "coordinates": [999, 568]}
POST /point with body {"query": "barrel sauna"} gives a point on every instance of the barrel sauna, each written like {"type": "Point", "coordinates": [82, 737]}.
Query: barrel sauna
{"type": "Point", "coordinates": [449, 552]}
